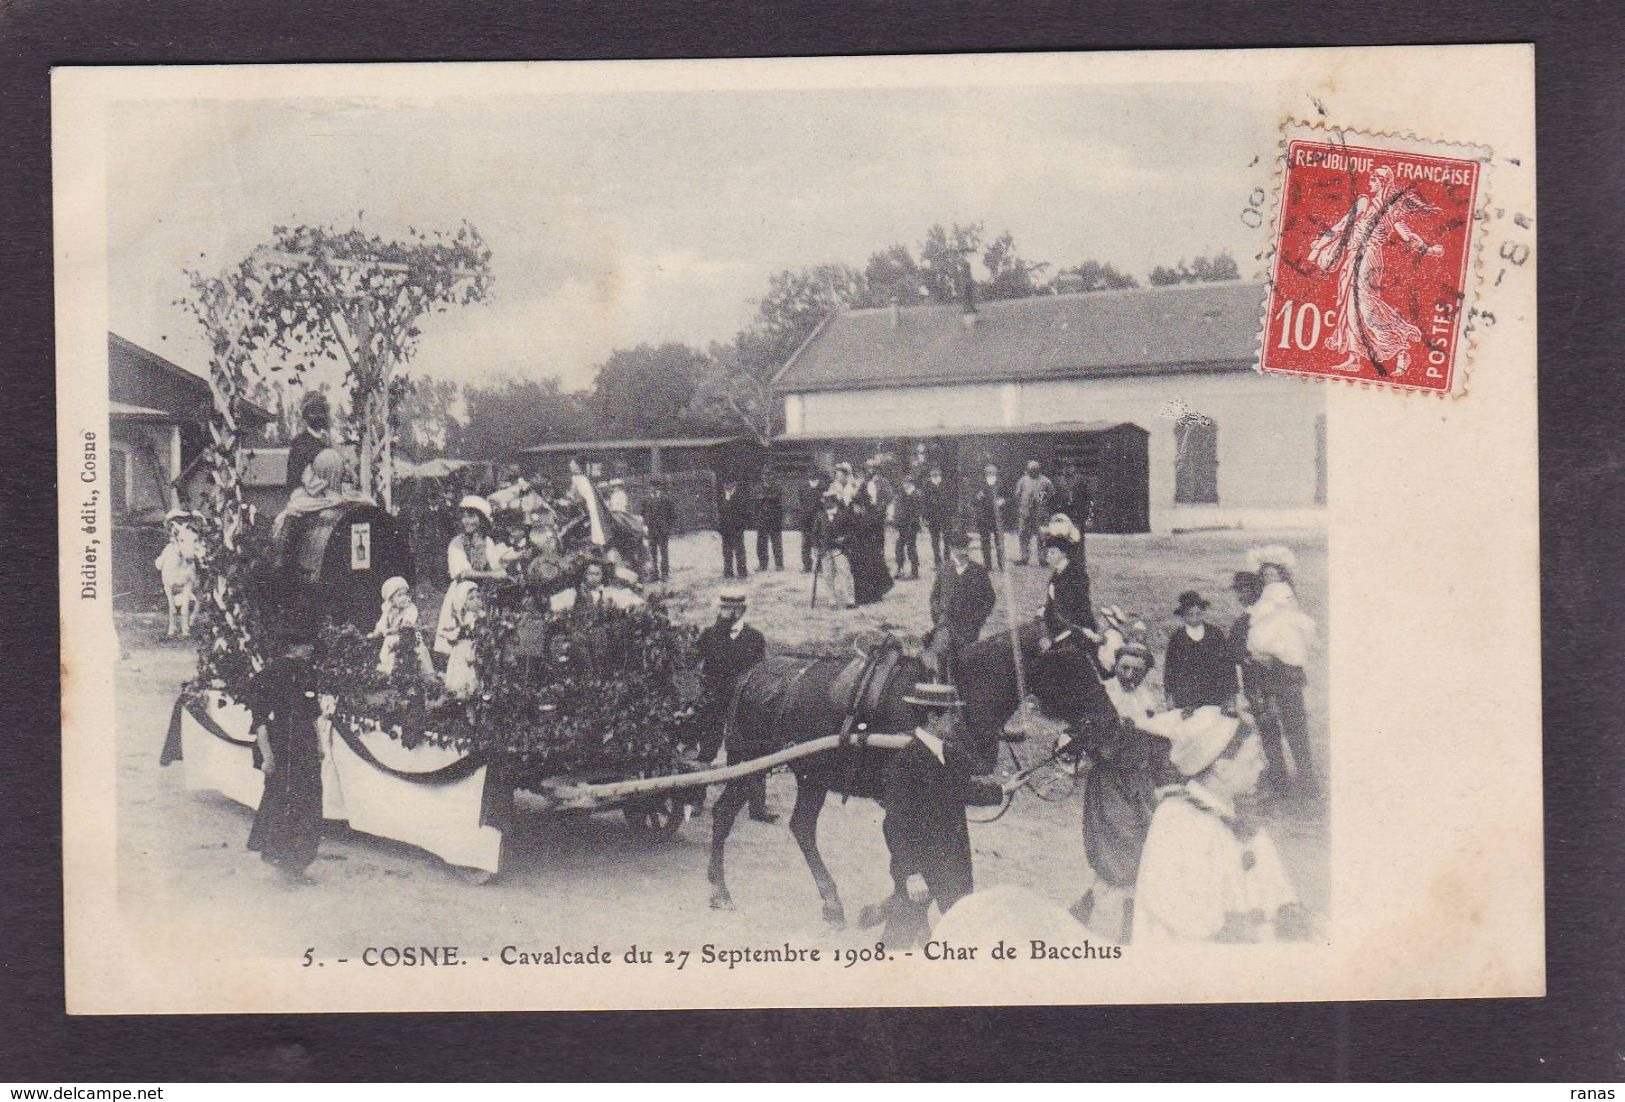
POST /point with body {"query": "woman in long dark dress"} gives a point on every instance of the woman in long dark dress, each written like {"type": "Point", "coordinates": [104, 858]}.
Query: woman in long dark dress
{"type": "Point", "coordinates": [866, 551]}
{"type": "Point", "coordinates": [282, 699]}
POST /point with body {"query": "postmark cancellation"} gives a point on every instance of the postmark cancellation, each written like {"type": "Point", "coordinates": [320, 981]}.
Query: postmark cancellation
{"type": "Point", "coordinates": [1374, 268]}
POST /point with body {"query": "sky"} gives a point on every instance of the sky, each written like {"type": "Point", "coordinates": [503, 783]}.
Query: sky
{"type": "Point", "coordinates": [621, 218]}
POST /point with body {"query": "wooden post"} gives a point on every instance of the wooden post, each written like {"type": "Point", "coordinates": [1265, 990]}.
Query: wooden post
{"type": "Point", "coordinates": [364, 364]}
{"type": "Point", "coordinates": [174, 465]}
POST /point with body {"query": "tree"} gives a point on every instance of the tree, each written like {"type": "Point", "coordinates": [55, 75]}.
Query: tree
{"type": "Point", "coordinates": [945, 260]}
{"type": "Point", "coordinates": [893, 277]}
{"type": "Point", "coordinates": [421, 414]}
{"type": "Point", "coordinates": [1203, 269]}
{"type": "Point", "coordinates": [508, 414]}
{"type": "Point", "coordinates": [358, 298]}
{"type": "Point", "coordinates": [946, 272]}
{"type": "Point", "coordinates": [1008, 276]}
{"type": "Point", "coordinates": [737, 389]}
{"type": "Point", "coordinates": [1092, 275]}
{"type": "Point", "coordinates": [644, 392]}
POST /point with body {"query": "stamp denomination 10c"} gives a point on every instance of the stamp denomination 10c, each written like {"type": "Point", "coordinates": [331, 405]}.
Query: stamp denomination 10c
{"type": "Point", "coordinates": [1373, 264]}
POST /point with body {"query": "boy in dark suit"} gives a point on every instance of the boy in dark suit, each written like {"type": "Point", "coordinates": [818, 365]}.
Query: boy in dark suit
{"type": "Point", "coordinates": [769, 523]}
{"type": "Point", "coordinates": [961, 601]}
{"type": "Point", "coordinates": [907, 509]}
{"type": "Point", "coordinates": [809, 510]}
{"type": "Point", "coordinates": [1200, 667]}
{"type": "Point", "coordinates": [987, 508]}
{"type": "Point", "coordinates": [941, 503]}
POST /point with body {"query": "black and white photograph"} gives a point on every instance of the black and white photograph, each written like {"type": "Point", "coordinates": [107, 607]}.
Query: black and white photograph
{"type": "Point", "coordinates": [789, 534]}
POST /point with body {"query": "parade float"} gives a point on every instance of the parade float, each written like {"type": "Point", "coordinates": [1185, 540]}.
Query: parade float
{"type": "Point", "coordinates": [586, 708]}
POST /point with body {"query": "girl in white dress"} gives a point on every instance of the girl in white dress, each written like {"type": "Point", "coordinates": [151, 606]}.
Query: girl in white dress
{"type": "Point", "coordinates": [471, 558]}
{"type": "Point", "coordinates": [398, 620]}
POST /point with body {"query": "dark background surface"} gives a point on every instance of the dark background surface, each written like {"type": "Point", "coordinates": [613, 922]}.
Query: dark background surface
{"type": "Point", "coordinates": [1575, 1034]}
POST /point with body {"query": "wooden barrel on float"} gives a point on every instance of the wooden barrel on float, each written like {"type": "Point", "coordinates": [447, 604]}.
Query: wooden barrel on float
{"type": "Point", "coordinates": [342, 556]}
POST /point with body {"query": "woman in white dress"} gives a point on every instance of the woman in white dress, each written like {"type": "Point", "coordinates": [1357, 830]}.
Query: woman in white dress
{"type": "Point", "coordinates": [1280, 637]}
{"type": "Point", "coordinates": [471, 558]}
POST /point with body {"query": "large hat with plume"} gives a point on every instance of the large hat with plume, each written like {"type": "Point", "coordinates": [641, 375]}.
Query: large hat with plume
{"type": "Point", "coordinates": [1278, 554]}
{"type": "Point", "coordinates": [1061, 525]}
{"type": "Point", "coordinates": [476, 503]}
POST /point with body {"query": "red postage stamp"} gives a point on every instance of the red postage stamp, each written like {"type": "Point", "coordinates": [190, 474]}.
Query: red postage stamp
{"type": "Point", "coordinates": [1373, 258]}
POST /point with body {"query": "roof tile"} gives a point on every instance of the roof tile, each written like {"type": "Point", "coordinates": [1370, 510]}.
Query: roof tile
{"type": "Point", "coordinates": [1204, 326]}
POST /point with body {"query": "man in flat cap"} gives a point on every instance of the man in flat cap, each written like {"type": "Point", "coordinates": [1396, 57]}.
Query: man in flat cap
{"type": "Point", "coordinates": [1034, 492]}
{"type": "Point", "coordinates": [1210, 871]}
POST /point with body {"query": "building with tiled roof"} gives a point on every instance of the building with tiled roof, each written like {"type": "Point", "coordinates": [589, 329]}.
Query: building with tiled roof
{"type": "Point", "coordinates": [1150, 391]}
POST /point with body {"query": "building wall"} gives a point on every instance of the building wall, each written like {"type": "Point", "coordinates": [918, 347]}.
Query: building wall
{"type": "Point", "coordinates": [1266, 430]}
{"type": "Point", "coordinates": [141, 457]}
{"type": "Point", "coordinates": [900, 410]}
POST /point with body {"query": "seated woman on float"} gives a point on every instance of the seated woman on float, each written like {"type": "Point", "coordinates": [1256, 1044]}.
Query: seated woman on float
{"type": "Point", "coordinates": [327, 482]}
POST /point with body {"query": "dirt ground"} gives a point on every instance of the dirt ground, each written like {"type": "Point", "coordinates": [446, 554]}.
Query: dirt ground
{"type": "Point", "coordinates": [589, 879]}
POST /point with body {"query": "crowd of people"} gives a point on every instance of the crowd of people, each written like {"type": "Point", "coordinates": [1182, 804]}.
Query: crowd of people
{"type": "Point", "coordinates": [844, 516]}
{"type": "Point", "coordinates": [1175, 773]}
{"type": "Point", "coordinates": [1175, 770]}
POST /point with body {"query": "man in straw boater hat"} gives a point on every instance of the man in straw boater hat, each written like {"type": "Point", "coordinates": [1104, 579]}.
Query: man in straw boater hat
{"type": "Point", "coordinates": [1210, 871]}
{"type": "Point", "coordinates": [727, 649]}
{"type": "Point", "coordinates": [925, 792]}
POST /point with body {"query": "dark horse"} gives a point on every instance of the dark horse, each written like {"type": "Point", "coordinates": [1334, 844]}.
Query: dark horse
{"type": "Point", "coordinates": [782, 701]}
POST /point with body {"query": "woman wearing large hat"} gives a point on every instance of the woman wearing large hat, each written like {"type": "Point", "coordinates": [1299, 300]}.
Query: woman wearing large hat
{"type": "Point", "coordinates": [1209, 871]}
{"type": "Point", "coordinates": [927, 788]}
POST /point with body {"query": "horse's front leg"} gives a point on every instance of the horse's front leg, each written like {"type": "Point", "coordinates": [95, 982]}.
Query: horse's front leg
{"type": "Point", "coordinates": [174, 614]}
{"type": "Point", "coordinates": [810, 796]}
{"type": "Point", "coordinates": [734, 796]}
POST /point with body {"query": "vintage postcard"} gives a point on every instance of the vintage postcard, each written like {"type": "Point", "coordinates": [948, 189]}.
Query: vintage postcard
{"type": "Point", "coordinates": [827, 532]}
